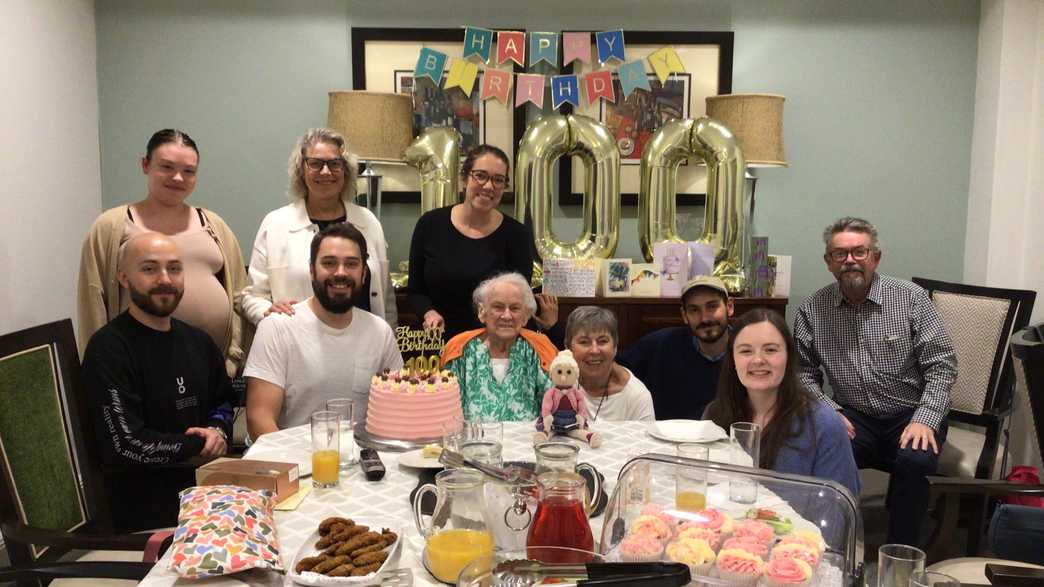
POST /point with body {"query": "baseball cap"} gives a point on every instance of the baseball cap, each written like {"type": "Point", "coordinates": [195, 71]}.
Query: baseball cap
{"type": "Point", "coordinates": [705, 281]}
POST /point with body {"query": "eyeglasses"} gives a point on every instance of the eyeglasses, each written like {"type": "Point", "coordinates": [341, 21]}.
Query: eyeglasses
{"type": "Point", "coordinates": [334, 165]}
{"type": "Point", "coordinates": [499, 181]}
{"type": "Point", "coordinates": [858, 253]}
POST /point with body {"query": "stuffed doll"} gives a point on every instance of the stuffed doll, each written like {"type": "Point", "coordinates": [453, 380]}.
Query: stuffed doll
{"type": "Point", "coordinates": [564, 409]}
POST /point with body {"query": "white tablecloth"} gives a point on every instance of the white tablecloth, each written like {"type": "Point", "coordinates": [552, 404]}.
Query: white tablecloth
{"type": "Point", "coordinates": [388, 499]}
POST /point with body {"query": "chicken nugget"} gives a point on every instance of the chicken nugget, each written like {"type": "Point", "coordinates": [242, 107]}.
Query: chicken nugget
{"type": "Point", "coordinates": [349, 532]}
{"type": "Point", "coordinates": [360, 571]}
{"type": "Point", "coordinates": [361, 541]}
{"type": "Point", "coordinates": [308, 562]}
{"type": "Point", "coordinates": [370, 558]}
{"type": "Point", "coordinates": [379, 545]}
{"type": "Point", "coordinates": [330, 564]}
{"type": "Point", "coordinates": [331, 550]}
{"type": "Point", "coordinates": [389, 536]}
{"type": "Point", "coordinates": [344, 570]}
{"type": "Point", "coordinates": [328, 523]}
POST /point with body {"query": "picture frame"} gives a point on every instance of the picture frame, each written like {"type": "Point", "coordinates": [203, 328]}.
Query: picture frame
{"type": "Point", "coordinates": [383, 59]}
{"type": "Point", "coordinates": [707, 57]}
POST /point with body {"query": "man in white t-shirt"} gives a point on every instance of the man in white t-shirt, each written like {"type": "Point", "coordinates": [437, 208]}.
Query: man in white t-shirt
{"type": "Point", "coordinates": [326, 349]}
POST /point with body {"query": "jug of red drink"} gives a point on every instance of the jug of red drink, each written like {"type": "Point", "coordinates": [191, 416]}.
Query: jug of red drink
{"type": "Point", "coordinates": [560, 518]}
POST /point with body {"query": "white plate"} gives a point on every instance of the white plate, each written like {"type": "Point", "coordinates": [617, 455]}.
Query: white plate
{"type": "Point", "coordinates": [686, 431]}
{"type": "Point", "coordinates": [308, 549]}
{"type": "Point", "coordinates": [285, 455]}
{"type": "Point", "coordinates": [416, 460]}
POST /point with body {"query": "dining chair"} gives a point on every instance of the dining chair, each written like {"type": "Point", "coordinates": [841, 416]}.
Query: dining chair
{"type": "Point", "coordinates": [980, 321]}
{"type": "Point", "coordinates": [51, 498]}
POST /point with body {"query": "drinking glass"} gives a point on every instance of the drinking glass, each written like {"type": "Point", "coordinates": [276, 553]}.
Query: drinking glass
{"type": "Point", "coordinates": [896, 563]}
{"type": "Point", "coordinates": [325, 435]}
{"type": "Point", "coordinates": [453, 434]}
{"type": "Point", "coordinates": [488, 452]}
{"type": "Point", "coordinates": [745, 450]}
{"type": "Point", "coordinates": [346, 410]}
{"type": "Point", "coordinates": [485, 430]}
{"type": "Point", "coordinates": [690, 493]}
{"type": "Point", "coordinates": [933, 579]}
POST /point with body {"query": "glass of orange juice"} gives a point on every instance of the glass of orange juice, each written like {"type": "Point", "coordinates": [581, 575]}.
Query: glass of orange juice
{"type": "Point", "coordinates": [326, 430]}
{"type": "Point", "coordinates": [691, 482]}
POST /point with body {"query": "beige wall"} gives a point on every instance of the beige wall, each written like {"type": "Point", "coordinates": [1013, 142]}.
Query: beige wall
{"type": "Point", "coordinates": [50, 165]}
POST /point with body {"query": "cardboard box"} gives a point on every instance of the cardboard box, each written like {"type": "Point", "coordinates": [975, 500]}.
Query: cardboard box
{"type": "Point", "coordinates": [279, 478]}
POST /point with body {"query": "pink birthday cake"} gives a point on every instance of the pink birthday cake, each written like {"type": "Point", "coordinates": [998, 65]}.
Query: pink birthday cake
{"type": "Point", "coordinates": [412, 405]}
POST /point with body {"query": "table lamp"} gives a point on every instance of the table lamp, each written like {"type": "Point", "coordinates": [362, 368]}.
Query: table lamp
{"type": "Point", "coordinates": [378, 127]}
{"type": "Point", "coordinates": [757, 122]}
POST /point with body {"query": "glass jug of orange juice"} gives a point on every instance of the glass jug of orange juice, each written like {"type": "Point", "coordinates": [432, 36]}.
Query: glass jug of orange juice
{"type": "Point", "coordinates": [459, 530]}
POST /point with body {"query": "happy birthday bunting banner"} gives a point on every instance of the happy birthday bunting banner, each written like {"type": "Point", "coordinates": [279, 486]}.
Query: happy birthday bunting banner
{"type": "Point", "coordinates": [610, 45]}
{"type": "Point", "coordinates": [430, 64]}
{"type": "Point", "coordinates": [478, 41]}
{"type": "Point", "coordinates": [665, 62]}
{"type": "Point", "coordinates": [462, 75]}
{"type": "Point", "coordinates": [495, 84]}
{"type": "Point", "coordinates": [599, 84]}
{"type": "Point", "coordinates": [576, 46]}
{"type": "Point", "coordinates": [565, 88]}
{"type": "Point", "coordinates": [632, 77]}
{"type": "Point", "coordinates": [511, 45]}
{"type": "Point", "coordinates": [543, 47]}
{"type": "Point", "coordinates": [529, 88]}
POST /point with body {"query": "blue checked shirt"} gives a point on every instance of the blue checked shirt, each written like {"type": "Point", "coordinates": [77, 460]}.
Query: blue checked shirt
{"type": "Point", "coordinates": [885, 356]}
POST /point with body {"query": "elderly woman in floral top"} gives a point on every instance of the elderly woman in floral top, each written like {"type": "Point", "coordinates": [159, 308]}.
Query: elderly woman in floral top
{"type": "Point", "coordinates": [502, 368]}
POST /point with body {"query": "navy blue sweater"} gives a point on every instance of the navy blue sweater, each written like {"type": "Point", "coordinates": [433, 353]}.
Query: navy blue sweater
{"type": "Point", "coordinates": [682, 381]}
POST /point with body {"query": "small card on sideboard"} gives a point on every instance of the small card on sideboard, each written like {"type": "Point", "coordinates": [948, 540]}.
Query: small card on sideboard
{"type": "Point", "coordinates": [645, 280]}
{"type": "Point", "coordinates": [574, 278]}
{"type": "Point", "coordinates": [615, 278]}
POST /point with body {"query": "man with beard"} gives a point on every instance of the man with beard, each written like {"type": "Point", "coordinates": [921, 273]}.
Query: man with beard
{"type": "Point", "coordinates": [890, 364]}
{"type": "Point", "coordinates": [158, 390]}
{"type": "Point", "coordinates": [680, 364]}
{"type": "Point", "coordinates": [326, 349]}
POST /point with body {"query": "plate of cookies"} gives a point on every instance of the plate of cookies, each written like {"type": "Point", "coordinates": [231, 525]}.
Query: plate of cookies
{"type": "Point", "coordinates": [345, 551]}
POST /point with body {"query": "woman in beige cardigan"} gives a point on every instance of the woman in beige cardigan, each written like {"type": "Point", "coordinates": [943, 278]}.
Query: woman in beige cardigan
{"type": "Point", "coordinates": [213, 263]}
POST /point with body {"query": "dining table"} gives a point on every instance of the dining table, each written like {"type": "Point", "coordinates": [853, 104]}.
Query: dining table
{"type": "Point", "coordinates": [388, 500]}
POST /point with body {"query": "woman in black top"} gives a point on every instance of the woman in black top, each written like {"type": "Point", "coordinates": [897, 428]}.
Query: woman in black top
{"type": "Point", "coordinates": [455, 248]}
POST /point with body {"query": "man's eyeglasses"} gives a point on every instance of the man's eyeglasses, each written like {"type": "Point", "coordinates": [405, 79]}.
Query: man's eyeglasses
{"type": "Point", "coordinates": [499, 181]}
{"type": "Point", "coordinates": [858, 253]}
{"type": "Point", "coordinates": [334, 165]}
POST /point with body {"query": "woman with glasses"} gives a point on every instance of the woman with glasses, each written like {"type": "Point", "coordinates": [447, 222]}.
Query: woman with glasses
{"type": "Point", "coordinates": [213, 265]}
{"type": "Point", "coordinates": [455, 248]}
{"type": "Point", "coordinates": [322, 185]}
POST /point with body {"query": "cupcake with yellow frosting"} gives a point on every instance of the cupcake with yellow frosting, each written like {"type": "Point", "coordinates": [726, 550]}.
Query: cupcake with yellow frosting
{"type": "Point", "coordinates": [799, 551]}
{"type": "Point", "coordinates": [739, 567]}
{"type": "Point", "coordinates": [695, 553]}
{"type": "Point", "coordinates": [652, 526]}
{"type": "Point", "coordinates": [711, 537]}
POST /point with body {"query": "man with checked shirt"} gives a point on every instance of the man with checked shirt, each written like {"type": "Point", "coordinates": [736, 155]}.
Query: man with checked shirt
{"type": "Point", "coordinates": [882, 346]}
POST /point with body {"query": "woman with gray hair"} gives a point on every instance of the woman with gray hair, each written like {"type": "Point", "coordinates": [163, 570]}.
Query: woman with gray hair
{"type": "Point", "coordinates": [502, 367]}
{"type": "Point", "coordinates": [613, 392]}
{"type": "Point", "coordinates": [322, 185]}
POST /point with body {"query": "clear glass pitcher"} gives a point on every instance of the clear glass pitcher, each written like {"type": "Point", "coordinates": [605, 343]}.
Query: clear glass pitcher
{"type": "Point", "coordinates": [459, 529]}
{"type": "Point", "coordinates": [564, 456]}
{"type": "Point", "coordinates": [560, 518]}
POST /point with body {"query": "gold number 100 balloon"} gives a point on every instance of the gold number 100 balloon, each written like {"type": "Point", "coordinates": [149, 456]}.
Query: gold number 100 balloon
{"type": "Point", "coordinates": [725, 219]}
{"type": "Point", "coordinates": [544, 142]}
{"type": "Point", "coordinates": [436, 154]}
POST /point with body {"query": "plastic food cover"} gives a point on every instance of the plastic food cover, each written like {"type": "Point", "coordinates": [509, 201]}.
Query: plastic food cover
{"type": "Point", "coordinates": [814, 521]}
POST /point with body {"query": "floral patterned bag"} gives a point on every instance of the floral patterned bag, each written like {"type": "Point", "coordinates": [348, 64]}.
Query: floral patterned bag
{"type": "Point", "coordinates": [224, 529]}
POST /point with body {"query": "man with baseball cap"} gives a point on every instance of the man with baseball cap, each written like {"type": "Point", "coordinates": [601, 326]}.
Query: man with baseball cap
{"type": "Point", "coordinates": [680, 364]}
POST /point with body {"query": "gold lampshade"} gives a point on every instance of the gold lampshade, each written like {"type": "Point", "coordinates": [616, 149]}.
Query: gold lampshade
{"type": "Point", "coordinates": [378, 126]}
{"type": "Point", "coordinates": [757, 122]}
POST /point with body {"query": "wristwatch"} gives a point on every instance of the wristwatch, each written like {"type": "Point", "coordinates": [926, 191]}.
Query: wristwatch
{"type": "Point", "coordinates": [220, 432]}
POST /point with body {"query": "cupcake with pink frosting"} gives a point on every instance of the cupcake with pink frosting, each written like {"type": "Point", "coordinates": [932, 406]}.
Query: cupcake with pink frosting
{"type": "Point", "coordinates": [640, 548]}
{"type": "Point", "coordinates": [798, 551]}
{"type": "Point", "coordinates": [652, 509]}
{"type": "Point", "coordinates": [739, 567]}
{"type": "Point", "coordinates": [750, 544]}
{"type": "Point", "coordinates": [653, 526]}
{"type": "Point", "coordinates": [711, 537]}
{"type": "Point", "coordinates": [788, 572]}
{"type": "Point", "coordinates": [696, 553]}
{"type": "Point", "coordinates": [715, 520]}
{"type": "Point", "coordinates": [755, 529]}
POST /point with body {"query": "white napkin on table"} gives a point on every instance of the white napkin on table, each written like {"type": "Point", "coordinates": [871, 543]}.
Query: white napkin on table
{"type": "Point", "coordinates": [688, 430]}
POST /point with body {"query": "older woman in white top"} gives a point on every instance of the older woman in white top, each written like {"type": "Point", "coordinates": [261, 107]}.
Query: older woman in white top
{"type": "Point", "coordinates": [322, 184]}
{"type": "Point", "coordinates": [613, 392]}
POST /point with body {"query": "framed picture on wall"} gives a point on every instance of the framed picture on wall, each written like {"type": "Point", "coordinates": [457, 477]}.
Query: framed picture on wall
{"type": "Point", "coordinates": [707, 57]}
{"type": "Point", "coordinates": [383, 60]}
